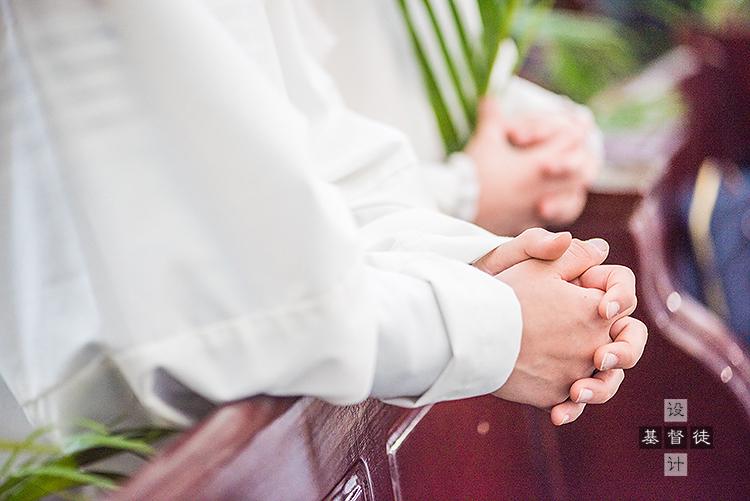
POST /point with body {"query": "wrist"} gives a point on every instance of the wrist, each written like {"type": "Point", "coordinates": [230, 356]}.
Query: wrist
{"type": "Point", "coordinates": [466, 201]}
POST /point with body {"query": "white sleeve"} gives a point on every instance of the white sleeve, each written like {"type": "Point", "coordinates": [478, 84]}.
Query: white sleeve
{"type": "Point", "coordinates": [202, 244]}
{"type": "Point", "coordinates": [199, 243]}
{"type": "Point", "coordinates": [376, 171]}
{"type": "Point", "coordinates": [454, 185]}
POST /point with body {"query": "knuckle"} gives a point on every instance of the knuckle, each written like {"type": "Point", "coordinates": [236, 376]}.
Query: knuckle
{"type": "Point", "coordinates": [629, 310]}
{"type": "Point", "coordinates": [642, 344]}
{"type": "Point", "coordinates": [482, 263]}
{"type": "Point", "coordinates": [628, 359]}
{"type": "Point", "coordinates": [642, 333]}
{"type": "Point", "coordinates": [628, 274]}
{"type": "Point", "coordinates": [533, 234]}
{"type": "Point", "coordinates": [624, 276]}
{"type": "Point", "coordinates": [581, 250]}
{"type": "Point", "coordinates": [553, 399]}
{"type": "Point", "coordinates": [640, 326]}
{"type": "Point", "coordinates": [612, 388]}
{"type": "Point", "coordinates": [591, 300]}
{"type": "Point", "coordinates": [561, 397]}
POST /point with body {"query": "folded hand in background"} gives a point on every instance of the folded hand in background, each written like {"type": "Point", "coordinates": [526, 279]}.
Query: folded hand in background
{"type": "Point", "coordinates": [533, 169]}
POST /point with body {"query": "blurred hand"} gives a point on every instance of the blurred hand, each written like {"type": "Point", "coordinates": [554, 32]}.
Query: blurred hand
{"type": "Point", "coordinates": [532, 170]}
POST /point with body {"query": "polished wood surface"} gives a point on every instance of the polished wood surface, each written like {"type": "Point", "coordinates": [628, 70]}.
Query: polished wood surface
{"type": "Point", "coordinates": [688, 351]}
{"type": "Point", "coordinates": [485, 448]}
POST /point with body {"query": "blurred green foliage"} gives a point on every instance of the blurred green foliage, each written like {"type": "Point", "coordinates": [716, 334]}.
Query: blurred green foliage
{"type": "Point", "coordinates": [469, 65]}
{"type": "Point", "coordinates": [582, 54]}
{"type": "Point", "coordinates": [35, 468]}
{"type": "Point", "coordinates": [713, 14]}
{"type": "Point", "coordinates": [579, 55]}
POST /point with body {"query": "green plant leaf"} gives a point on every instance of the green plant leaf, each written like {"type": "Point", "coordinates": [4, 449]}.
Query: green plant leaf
{"type": "Point", "coordinates": [40, 481]}
{"type": "Point", "coordinates": [87, 441]}
{"type": "Point", "coordinates": [48, 469]}
{"type": "Point", "coordinates": [28, 445]}
{"type": "Point", "coordinates": [147, 434]}
{"type": "Point", "coordinates": [583, 54]}
{"type": "Point", "coordinates": [468, 105]}
{"type": "Point", "coordinates": [469, 52]}
{"type": "Point", "coordinates": [445, 123]}
{"type": "Point", "coordinates": [138, 436]}
{"type": "Point", "coordinates": [526, 26]}
{"type": "Point", "coordinates": [497, 19]}
{"type": "Point", "coordinates": [93, 426]}
{"type": "Point", "coordinates": [489, 12]}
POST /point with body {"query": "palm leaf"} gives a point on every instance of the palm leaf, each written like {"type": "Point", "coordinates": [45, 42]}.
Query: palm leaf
{"type": "Point", "coordinates": [40, 481]}
{"type": "Point", "coordinates": [469, 107]}
{"type": "Point", "coordinates": [136, 441]}
{"type": "Point", "coordinates": [469, 52]}
{"type": "Point", "coordinates": [496, 18]}
{"type": "Point", "coordinates": [445, 123]}
{"type": "Point", "coordinates": [94, 426]}
{"type": "Point", "coordinates": [87, 441]}
{"type": "Point", "coordinates": [28, 446]}
{"type": "Point", "coordinates": [54, 470]}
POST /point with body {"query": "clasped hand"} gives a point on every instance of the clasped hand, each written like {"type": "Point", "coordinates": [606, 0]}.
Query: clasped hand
{"type": "Point", "coordinates": [576, 319]}
{"type": "Point", "coordinates": [532, 170]}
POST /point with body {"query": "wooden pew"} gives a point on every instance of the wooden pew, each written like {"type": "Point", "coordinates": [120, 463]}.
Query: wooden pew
{"type": "Point", "coordinates": [484, 448]}
{"type": "Point", "coordinates": [690, 354]}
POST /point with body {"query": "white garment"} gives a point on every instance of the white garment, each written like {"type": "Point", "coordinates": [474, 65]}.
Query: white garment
{"type": "Point", "coordinates": [188, 209]}
{"type": "Point", "coordinates": [368, 53]}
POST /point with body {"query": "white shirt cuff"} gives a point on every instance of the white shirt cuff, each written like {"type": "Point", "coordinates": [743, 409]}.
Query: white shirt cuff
{"type": "Point", "coordinates": [454, 186]}
{"type": "Point", "coordinates": [483, 322]}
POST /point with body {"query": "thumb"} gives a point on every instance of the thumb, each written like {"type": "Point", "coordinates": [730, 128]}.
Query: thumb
{"type": "Point", "coordinates": [533, 243]}
{"type": "Point", "coordinates": [581, 256]}
{"type": "Point", "coordinates": [532, 130]}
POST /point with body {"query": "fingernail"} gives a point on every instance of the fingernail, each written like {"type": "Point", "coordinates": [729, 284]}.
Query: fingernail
{"type": "Point", "coordinates": [585, 395]}
{"type": "Point", "coordinates": [613, 308]}
{"type": "Point", "coordinates": [565, 419]}
{"type": "Point", "coordinates": [553, 236]}
{"type": "Point", "coordinates": [609, 361]}
{"type": "Point", "coordinates": [600, 244]}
